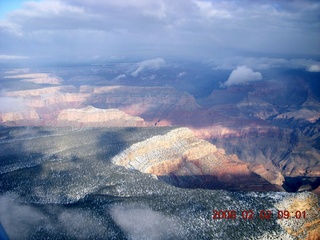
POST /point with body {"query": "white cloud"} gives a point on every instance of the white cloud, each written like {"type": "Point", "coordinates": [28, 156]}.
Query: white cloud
{"type": "Point", "coordinates": [80, 224]}
{"type": "Point", "coordinates": [120, 76]}
{"type": "Point", "coordinates": [314, 68]}
{"type": "Point", "coordinates": [181, 74]}
{"type": "Point", "coordinates": [241, 75]}
{"type": "Point", "coordinates": [12, 57]}
{"type": "Point", "coordinates": [11, 27]}
{"type": "Point", "coordinates": [46, 8]}
{"type": "Point", "coordinates": [19, 220]}
{"type": "Point", "coordinates": [18, 71]}
{"type": "Point", "coordinates": [264, 63]}
{"type": "Point", "coordinates": [146, 29]}
{"type": "Point", "coordinates": [144, 223]}
{"type": "Point", "coordinates": [11, 104]}
{"type": "Point", "coordinates": [153, 64]}
{"type": "Point", "coordinates": [210, 11]}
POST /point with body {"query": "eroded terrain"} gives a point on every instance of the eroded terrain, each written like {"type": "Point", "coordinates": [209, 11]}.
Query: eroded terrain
{"type": "Point", "coordinates": [61, 183]}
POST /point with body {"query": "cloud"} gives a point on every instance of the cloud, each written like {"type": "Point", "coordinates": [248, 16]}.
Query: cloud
{"type": "Point", "coordinates": [80, 224]}
{"type": "Point", "coordinates": [12, 57]}
{"type": "Point", "coordinates": [144, 223]}
{"type": "Point", "coordinates": [210, 11]}
{"type": "Point", "coordinates": [314, 68]}
{"type": "Point", "coordinates": [181, 74]}
{"type": "Point", "coordinates": [18, 220]}
{"type": "Point", "coordinates": [46, 8]}
{"type": "Point", "coordinates": [263, 63]}
{"type": "Point", "coordinates": [241, 75]}
{"type": "Point", "coordinates": [18, 71]}
{"type": "Point", "coordinates": [146, 29]}
{"type": "Point", "coordinates": [11, 104]}
{"type": "Point", "coordinates": [121, 76]}
{"type": "Point", "coordinates": [153, 64]}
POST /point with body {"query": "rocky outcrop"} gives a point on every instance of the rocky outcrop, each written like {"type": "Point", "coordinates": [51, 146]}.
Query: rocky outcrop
{"type": "Point", "coordinates": [271, 175]}
{"type": "Point", "coordinates": [273, 128]}
{"type": "Point", "coordinates": [61, 106]}
{"type": "Point", "coordinates": [46, 103]}
{"type": "Point", "coordinates": [19, 117]}
{"type": "Point", "coordinates": [303, 220]}
{"type": "Point", "coordinates": [303, 114]}
{"type": "Point", "coordinates": [90, 116]}
{"type": "Point", "coordinates": [179, 158]}
{"type": "Point", "coordinates": [291, 152]}
{"type": "Point", "coordinates": [153, 104]}
{"type": "Point", "coordinates": [40, 91]}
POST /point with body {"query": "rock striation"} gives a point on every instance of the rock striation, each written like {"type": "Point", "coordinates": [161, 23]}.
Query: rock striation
{"type": "Point", "coordinates": [154, 104]}
{"type": "Point", "coordinates": [91, 116]}
{"type": "Point", "coordinates": [26, 116]}
{"type": "Point", "coordinates": [303, 114]}
{"type": "Point", "coordinates": [181, 159]}
{"type": "Point", "coordinates": [272, 127]}
{"type": "Point", "coordinates": [40, 106]}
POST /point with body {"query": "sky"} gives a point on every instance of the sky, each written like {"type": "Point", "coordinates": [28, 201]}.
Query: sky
{"type": "Point", "coordinates": [217, 30]}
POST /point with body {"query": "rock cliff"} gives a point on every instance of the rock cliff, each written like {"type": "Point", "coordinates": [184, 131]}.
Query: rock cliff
{"type": "Point", "coordinates": [62, 106]}
{"type": "Point", "coordinates": [153, 104]}
{"type": "Point", "coordinates": [273, 131]}
{"type": "Point", "coordinates": [291, 151]}
{"type": "Point", "coordinates": [27, 116]}
{"type": "Point", "coordinates": [90, 116]}
{"type": "Point", "coordinates": [181, 159]}
{"type": "Point", "coordinates": [45, 103]}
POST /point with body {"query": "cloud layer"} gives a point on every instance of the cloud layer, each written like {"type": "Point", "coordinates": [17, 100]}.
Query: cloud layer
{"type": "Point", "coordinates": [153, 64]}
{"type": "Point", "coordinates": [144, 223]}
{"type": "Point", "coordinates": [314, 68]}
{"type": "Point", "coordinates": [241, 75]}
{"type": "Point", "coordinates": [193, 29]}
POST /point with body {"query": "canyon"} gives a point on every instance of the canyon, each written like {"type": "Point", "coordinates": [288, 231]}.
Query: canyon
{"type": "Point", "coordinates": [121, 145]}
{"type": "Point", "coordinates": [61, 182]}
{"type": "Point", "coordinates": [275, 136]}
{"type": "Point", "coordinates": [90, 116]}
{"type": "Point", "coordinates": [183, 160]}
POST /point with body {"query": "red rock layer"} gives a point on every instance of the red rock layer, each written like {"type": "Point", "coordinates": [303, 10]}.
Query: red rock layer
{"type": "Point", "coordinates": [183, 160]}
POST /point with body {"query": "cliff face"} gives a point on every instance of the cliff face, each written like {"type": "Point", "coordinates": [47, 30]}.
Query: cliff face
{"type": "Point", "coordinates": [154, 104]}
{"type": "Point", "coordinates": [90, 116]}
{"type": "Point", "coordinates": [40, 105]}
{"type": "Point", "coordinates": [43, 167]}
{"type": "Point", "coordinates": [275, 131]}
{"type": "Point", "coordinates": [28, 115]}
{"type": "Point", "coordinates": [292, 152]}
{"type": "Point", "coordinates": [61, 106]}
{"type": "Point", "coordinates": [275, 124]}
{"type": "Point", "coordinates": [48, 97]}
{"type": "Point", "coordinates": [179, 158]}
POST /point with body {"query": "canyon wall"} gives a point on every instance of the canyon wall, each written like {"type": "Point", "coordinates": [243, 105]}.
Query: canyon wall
{"type": "Point", "coordinates": [275, 133]}
{"type": "Point", "coordinates": [90, 116]}
{"type": "Point", "coordinates": [181, 159]}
